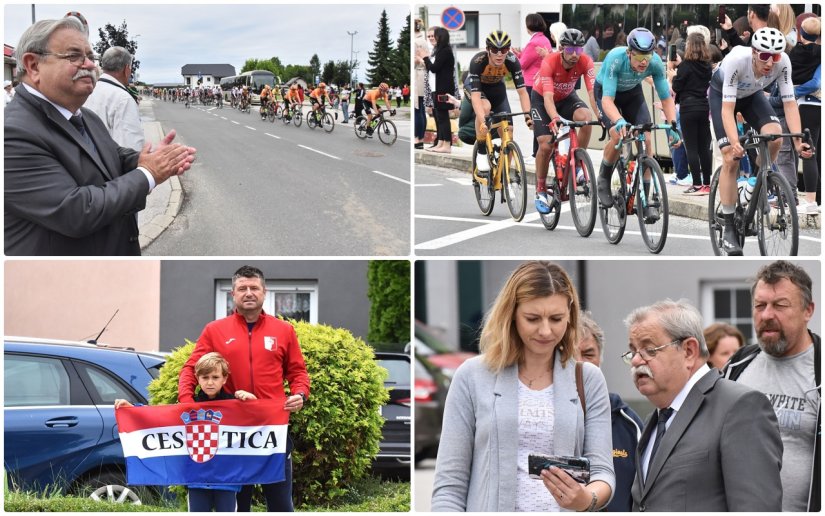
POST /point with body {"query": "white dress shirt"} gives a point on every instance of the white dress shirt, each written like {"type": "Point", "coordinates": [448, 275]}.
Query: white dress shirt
{"type": "Point", "coordinates": [119, 112]}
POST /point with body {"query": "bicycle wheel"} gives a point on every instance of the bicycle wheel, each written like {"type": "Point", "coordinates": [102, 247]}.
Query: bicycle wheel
{"type": "Point", "coordinates": [485, 194]}
{"type": "Point", "coordinates": [297, 118]}
{"type": "Point", "coordinates": [583, 200]}
{"type": "Point", "coordinates": [360, 127]}
{"type": "Point", "coordinates": [515, 182]}
{"type": "Point", "coordinates": [329, 122]}
{"type": "Point", "coordinates": [551, 220]}
{"type": "Point", "coordinates": [716, 223]}
{"type": "Point", "coordinates": [387, 132]}
{"type": "Point", "coordinates": [777, 223]}
{"type": "Point", "coordinates": [614, 219]}
{"type": "Point", "coordinates": [651, 207]}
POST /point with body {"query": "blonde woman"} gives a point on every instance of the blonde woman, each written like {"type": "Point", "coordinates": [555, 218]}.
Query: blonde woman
{"type": "Point", "coordinates": [519, 397]}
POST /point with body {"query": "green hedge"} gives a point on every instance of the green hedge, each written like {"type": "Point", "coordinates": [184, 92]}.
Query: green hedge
{"type": "Point", "coordinates": [337, 433]}
{"type": "Point", "coordinates": [389, 295]}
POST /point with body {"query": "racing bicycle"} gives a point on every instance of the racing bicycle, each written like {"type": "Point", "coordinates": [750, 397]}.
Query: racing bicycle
{"type": "Point", "coordinates": [385, 128]}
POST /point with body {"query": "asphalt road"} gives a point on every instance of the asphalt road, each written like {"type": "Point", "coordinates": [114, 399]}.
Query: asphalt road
{"type": "Point", "coordinates": [424, 475]}
{"type": "Point", "coordinates": [448, 222]}
{"type": "Point", "coordinates": [259, 188]}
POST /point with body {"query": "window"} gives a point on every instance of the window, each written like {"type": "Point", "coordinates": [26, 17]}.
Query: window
{"type": "Point", "coordinates": [292, 300]}
{"type": "Point", "coordinates": [471, 27]}
{"type": "Point", "coordinates": [103, 387]}
{"type": "Point", "coordinates": [729, 303]}
{"type": "Point", "coordinates": [35, 381]}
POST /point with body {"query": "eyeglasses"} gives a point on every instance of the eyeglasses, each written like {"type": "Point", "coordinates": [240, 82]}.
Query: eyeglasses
{"type": "Point", "coordinates": [647, 353]}
{"type": "Point", "coordinates": [76, 58]}
{"type": "Point", "coordinates": [767, 56]}
{"type": "Point", "coordinates": [641, 57]}
{"type": "Point", "coordinates": [499, 51]}
{"type": "Point", "coordinates": [573, 50]}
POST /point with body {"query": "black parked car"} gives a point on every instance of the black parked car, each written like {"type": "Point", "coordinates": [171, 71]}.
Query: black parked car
{"type": "Point", "coordinates": [431, 386]}
{"type": "Point", "coordinates": [396, 440]}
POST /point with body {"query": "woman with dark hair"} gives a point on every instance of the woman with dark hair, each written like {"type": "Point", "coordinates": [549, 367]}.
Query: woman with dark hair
{"type": "Point", "coordinates": [691, 87]}
{"type": "Point", "coordinates": [442, 64]}
{"type": "Point", "coordinates": [531, 55]}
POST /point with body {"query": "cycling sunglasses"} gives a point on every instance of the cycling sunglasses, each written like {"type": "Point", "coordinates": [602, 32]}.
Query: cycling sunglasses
{"type": "Point", "coordinates": [767, 56]}
{"type": "Point", "coordinates": [641, 57]}
{"type": "Point", "coordinates": [500, 51]}
{"type": "Point", "coordinates": [573, 50]}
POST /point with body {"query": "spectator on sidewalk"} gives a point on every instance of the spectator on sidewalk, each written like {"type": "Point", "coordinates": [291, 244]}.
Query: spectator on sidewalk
{"type": "Point", "coordinates": [405, 94]}
{"type": "Point", "coordinates": [359, 99]}
{"type": "Point", "coordinates": [69, 188]}
{"type": "Point", "coordinates": [421, 75]}
{"type": "Point", "coordinates": [114, 103]}
{"type": "Point", "coordinates": [345, 93]}
{"type": "Point", "coordinates": [442, 64]}
{"type": "Point", "coordinates": [806, 66]}
{"type": "Point", "coordinates": [531, 55]}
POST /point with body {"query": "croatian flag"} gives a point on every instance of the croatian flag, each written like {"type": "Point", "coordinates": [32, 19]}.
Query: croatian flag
{"type": "Point", "coordinates": [211, 442]}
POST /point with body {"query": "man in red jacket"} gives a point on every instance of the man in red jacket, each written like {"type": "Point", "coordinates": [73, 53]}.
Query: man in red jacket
{"type": "Point", "coordinates": [262, 352]}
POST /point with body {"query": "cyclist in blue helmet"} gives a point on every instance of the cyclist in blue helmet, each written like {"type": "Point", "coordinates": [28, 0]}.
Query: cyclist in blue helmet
{"type": "Point", "coordinates": [620, 100]}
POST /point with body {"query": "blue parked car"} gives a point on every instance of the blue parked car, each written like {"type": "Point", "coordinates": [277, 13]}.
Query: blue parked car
{"type": "Point", "coordinates": [59, 422]}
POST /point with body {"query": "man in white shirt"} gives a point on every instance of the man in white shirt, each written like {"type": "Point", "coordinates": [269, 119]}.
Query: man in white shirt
{"type": "Point", "coordinates": [9, 91]}
{"type": "Point", "coordinates": [114, 103]}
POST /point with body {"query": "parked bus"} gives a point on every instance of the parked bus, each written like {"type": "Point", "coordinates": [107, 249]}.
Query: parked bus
{"type": "Point", "coordinates": [254, 80]}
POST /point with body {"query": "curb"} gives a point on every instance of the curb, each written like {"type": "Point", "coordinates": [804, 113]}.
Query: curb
{"type": "Point", "coordinates": [677, 204]}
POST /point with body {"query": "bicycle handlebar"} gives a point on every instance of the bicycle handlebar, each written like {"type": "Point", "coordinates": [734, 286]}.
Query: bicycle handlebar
{"type": "Point", "coordinates": [574, 125]}
{"type": "Point", "coordinates": [498, 116]}
{"type": "Point", "coordinates": [634, 131]}
{"type": "Point", "coordinates": [751, 139]}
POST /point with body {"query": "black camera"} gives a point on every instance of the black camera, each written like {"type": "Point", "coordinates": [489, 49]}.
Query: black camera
{"type": "Point", "coordinates": [576, 467]}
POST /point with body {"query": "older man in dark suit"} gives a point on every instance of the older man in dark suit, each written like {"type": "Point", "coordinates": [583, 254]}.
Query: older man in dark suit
{"type": "Point", "coordinates": [69, 188]}
{"type": "Point", "coordinates": [712, 444]}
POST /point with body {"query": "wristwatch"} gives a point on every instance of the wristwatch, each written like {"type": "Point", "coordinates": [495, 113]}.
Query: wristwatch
{"type": "Point", "coordinates": [303, 397]}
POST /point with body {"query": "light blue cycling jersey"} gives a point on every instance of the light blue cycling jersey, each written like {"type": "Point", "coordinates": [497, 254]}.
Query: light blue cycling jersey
{"type": "Point", "coordinates": [616, 75]}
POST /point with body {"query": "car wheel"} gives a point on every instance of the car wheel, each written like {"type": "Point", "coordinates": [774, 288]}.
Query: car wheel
{"type": "Point", "coordinates": [111, 487]}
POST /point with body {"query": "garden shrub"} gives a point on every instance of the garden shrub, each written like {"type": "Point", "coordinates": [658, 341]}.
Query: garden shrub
{"type": "Point", "coordinates": [389, 295]}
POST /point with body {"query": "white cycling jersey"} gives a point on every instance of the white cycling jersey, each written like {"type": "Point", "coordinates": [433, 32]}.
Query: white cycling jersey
{"type": "Point", "coordinates": [735, 78]}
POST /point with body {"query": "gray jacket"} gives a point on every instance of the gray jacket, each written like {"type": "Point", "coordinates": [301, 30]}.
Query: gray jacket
{"type": "Point", "coordinates": [476, 466]}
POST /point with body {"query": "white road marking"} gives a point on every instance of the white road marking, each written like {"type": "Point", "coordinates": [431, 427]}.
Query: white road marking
{"type": "Point", "coordinates": [431, 184]}
{"type": "Point", "coordinates": [463, 181]}
{"type": "Point", "coordinates": [234, 122]}
{"type": "Point", "coordinates": [319, 152]}
{"type": "Point", "coordinates": [252, 128]}
{"type": "Point", "coordinates": [223, 118]}
{"type": "Point", "coordinates": [467, 234]}
{"type": "Point", "coordinates": [391, 177]}
{"type": "Point", "coordinates": [272, 135]}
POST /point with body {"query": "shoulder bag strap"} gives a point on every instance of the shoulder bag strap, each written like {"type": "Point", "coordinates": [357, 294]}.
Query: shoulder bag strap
{"type": "Point", "coordinates": [580, 387]}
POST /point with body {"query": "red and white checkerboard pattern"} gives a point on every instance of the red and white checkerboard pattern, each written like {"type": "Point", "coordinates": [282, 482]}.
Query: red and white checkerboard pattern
{"type": "Point", "coordinates": [202, 441]}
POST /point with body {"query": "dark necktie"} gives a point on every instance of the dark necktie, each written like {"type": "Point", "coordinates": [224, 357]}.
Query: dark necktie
{"type": "Point", "coordinates": [77, 122]}
{"type": "Point", "coordinates": [664, 415]}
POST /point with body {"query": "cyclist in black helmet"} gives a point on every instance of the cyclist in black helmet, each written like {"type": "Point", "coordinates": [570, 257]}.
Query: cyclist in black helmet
{"type": "Point", "coordinates": [488, 93]}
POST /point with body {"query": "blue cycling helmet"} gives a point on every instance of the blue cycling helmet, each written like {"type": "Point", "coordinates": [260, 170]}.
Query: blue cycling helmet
{"type": "Point", "coordinates": [641, 40]}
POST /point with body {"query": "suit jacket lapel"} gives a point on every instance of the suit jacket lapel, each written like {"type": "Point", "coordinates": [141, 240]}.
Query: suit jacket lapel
{"type": "Point", "coordinates": [681, 421]}
{"type": "Point", "coordinates": [650, 427]}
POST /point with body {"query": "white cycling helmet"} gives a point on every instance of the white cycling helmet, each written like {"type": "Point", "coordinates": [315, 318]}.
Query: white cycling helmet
{"type": "Point", "coordinates": [768, 39]}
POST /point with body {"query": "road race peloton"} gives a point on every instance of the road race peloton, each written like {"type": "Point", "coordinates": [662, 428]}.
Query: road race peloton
{"type": "Point", "coordinates": [553, 96]}
{"type": "Point", "coordinates": [488, 93]}
{"type": "Point", "coordinates": [621, 102]}
{"type": "Point", "coordinates": [736, 87]}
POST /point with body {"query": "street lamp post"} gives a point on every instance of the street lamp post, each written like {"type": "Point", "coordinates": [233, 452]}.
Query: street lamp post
{"type": "Point", "coordinates": [351, 47]}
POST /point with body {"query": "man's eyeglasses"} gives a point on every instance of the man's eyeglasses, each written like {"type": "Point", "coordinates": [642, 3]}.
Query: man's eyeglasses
{"type": "Point", "coordinates": [76, 58]}
{"type": "Point", "coordinates": [767, 56]}
{"type": "Point", "coordinates": [499, 51]}
{"type": "Point", "coordinates": [641, 57]}
{"type": "Point", "coordinates": [647, 353]}
{"type": "Point", "coordinates": [573, 50]}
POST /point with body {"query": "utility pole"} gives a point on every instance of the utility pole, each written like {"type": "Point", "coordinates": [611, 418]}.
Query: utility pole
{"type": "Point", "coordinates": [351, 62]}
{"type": "Point", "coordinates": [33, 17]}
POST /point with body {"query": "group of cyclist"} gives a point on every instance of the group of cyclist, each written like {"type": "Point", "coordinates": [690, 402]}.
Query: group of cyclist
{"type": "Point", "coordinates": [617, 101]}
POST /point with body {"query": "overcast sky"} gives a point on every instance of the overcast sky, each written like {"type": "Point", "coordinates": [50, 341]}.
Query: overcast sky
{"type": "Point", "coordinates": [170, 36]}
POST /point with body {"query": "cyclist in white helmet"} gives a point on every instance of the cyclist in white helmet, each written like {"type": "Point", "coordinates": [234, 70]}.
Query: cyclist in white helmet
{"type": "Point", "coordinates": [736, 87]}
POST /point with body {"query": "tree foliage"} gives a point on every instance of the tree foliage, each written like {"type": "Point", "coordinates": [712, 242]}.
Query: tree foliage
{"type": "Point", "coordinates": [380, 58]}
{"type": "Point", "coordinates": [315, 66]}
{"type": "Point", "coordinates": [389, 294]}
{"type": "Point", "coordinates": [111, 36]}
{"type": "Point", "coordinates": [401, 57]}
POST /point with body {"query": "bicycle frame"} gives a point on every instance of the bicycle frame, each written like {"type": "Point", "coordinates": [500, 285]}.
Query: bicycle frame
{"type": "Point", "coordinates": [502, 167]}
{"type": "Point", "coordinates": [636, 135]}
{"type": "Point", "coordinates": [567, 172]}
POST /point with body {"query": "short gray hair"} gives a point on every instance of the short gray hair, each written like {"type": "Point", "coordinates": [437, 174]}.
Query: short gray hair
{"type": "Point", "coordinates": [36, 38]}
{"type": "Point", "coordinates": [115, 59]}
{"type": "Point", "coordinates": [679, 319]}
{"type": "Point", "coordinates": [589, 328]}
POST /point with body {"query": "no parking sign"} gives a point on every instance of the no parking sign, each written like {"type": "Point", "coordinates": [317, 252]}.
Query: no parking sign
{"type": "Point", "coordinates": [452, 18]}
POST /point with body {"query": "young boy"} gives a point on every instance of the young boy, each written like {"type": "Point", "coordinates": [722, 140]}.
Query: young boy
{"type": "Point", "coordinates": [212, 371]}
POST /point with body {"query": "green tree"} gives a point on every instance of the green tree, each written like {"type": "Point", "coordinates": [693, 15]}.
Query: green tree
{"type": "Point", "coordinates": [329, 72]}
{"type": "Point", "coordinates": [401, 57]}
{"type": "Point", "coordinates": [315, 67]}
{"type": "Point", "coordinates": [389, 294]}
{"type": "Point", "coordinates": [343, 72]}
{"type": "Point", "coordinates": [111, 36]}
{"type": "Point", "coordinates": [380, 58]}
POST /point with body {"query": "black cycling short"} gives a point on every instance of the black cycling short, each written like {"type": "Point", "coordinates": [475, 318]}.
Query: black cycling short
{"type": "Point", "coordinates": [755, 108]}
{"type": "Point", "coordinates": [565, 108]}
{"type": "Point", "coordinates": [314, 100]}
{"type": "Point", "coordinates": [631, 104]}
{"type": "Point", "coordinates": [496, 94]}
{"type": "Point", "coordinates": [369, 106]}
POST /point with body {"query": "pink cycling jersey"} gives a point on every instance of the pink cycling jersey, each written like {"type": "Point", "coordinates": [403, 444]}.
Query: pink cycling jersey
{"type": "Point", "coordinates": [553, 76]}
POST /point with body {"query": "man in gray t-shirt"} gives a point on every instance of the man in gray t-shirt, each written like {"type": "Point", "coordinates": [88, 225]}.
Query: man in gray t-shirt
{"type": "Point", "coordinates": [788, 373]}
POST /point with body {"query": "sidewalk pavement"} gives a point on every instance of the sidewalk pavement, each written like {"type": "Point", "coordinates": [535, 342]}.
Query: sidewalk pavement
{"type": "Point", "coordinates": [164, 202]}
{"type": "Point", "coordinates": [695, 207]}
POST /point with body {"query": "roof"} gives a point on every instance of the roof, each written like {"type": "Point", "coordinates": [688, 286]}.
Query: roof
{"type": "Point", "coordinates": [215, 70]}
